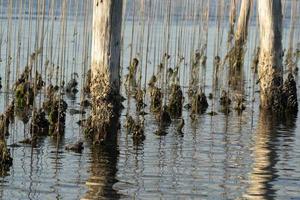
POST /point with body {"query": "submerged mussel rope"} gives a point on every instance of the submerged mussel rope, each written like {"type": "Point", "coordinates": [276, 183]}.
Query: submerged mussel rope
{"type": "Point", "coordinates": [135, 128]}
{"type": "Point", "coordinates": [155, 95]}
{"type": "Point", "coordinates": [198, 101]}
{"type": "Point", "coordinates": [175, 101]}
{"type": "Point", "coordinates": [5, 157]}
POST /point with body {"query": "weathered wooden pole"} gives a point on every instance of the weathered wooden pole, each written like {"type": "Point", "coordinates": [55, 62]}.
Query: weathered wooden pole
{"type": "Point", "coordinates": [271, 53]}
{"type": "Point", "coordinates": [106, 51]}
{"type": "Point", "coordinates": [232, 19]}
{"type": "Point", "coordinates": [236, 55]}
{"type": "Point", "coordinates": [274, 94]}
{"type": "Point", "coordinates": [243, 22]}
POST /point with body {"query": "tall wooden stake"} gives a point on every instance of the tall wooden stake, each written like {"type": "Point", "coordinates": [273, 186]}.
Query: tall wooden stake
{"type": "Point", "coordinates": [106, 51]}
{"type": "Point", "coordinates": [271, 53]}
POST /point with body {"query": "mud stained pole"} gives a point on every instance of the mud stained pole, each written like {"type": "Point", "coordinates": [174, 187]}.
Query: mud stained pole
{"type": "Point", "coordinates": [106, 51]}
{"type": "Point", "coordinates": [270, 59]}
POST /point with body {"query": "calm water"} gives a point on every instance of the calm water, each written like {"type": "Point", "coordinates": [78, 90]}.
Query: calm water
{"type": "Point", "coordinates": [223, 157]}
{"type": "Point", "coordinates": [248, 156]}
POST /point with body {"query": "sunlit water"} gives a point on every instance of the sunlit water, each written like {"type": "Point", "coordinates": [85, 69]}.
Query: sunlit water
{"type": "Point", "coordinates": [221, 157]}
{"type": "Point", "coordinates": [247, 156]}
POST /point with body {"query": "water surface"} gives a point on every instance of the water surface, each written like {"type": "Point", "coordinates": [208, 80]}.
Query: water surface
{"type": "Point", "coordinates": [249, 156]}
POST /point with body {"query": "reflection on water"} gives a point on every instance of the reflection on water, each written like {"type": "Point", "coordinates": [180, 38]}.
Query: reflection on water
{"type": "Point", "coordinates": [208, 161]}
{"type": "Point", "coordinates": [267, 143]}
{"type": "Point", "coordinates": [230, 156]}
{"type": "Point", "coordinates": [102, 172]}
{"type": "Point", "coordinates": [103, 169]}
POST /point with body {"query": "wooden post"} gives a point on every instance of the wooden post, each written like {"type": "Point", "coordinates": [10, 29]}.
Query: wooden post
{"type": "Point", "coordinates": [106, 51]}
{"type": "Point", "coordinates": [243, 22]}
{"type": "Point", "coordinates": [232, 18]}
{"type": "Point", "coordinates": [106, 42]}
{"type": "Point", "coordinates": [270, 59]}
{"type": "Point", "coordinates": [236, 55]}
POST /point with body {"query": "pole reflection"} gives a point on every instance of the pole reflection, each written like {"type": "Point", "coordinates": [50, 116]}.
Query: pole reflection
{"type": "Point", "coordinates": [103, 171]}
{"type": "Point", "coordinates": [265, 155]}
